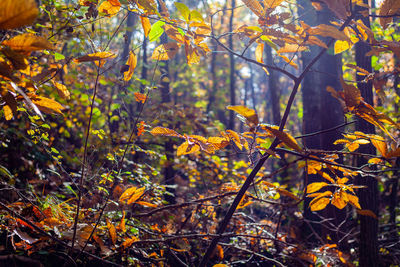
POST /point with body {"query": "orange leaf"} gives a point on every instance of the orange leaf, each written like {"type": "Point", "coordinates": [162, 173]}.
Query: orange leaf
{"type": "Point", "coordinates": [147, 204]}
{"type": "Point", "coordinates": [131, 195]}
{"type": "Point", "coordinates": [62, 90]}
{"type": "Point", "coordinates": [17, 13]}
{"type": "Point", "coordinates": [122, 223]}
{"type": "Point", "coordinates": [128, 242]}
{"type": "Point", "coordinates": [140, 97]}
{"type": "Point", "coordinates": [339, 200]}
{"type": "Point", "coordinates": [28, 42]}
{"type": "Point", "coordinates": [353, 200]}
{"type": "Point", "coordinates": [95, 56]}
{"type": "Point", "coordinates": [112, 231]}
{"type": "Point", "coordinates": [47, 105]}
{"type": "Point", "coordinates": [146, 25]}
{"type": "Point", "coordinates": [369, 213]}
{"type": "Point", "coordinates": [110, 7]}
{"type": "Point", "coordinates": [286, 138]}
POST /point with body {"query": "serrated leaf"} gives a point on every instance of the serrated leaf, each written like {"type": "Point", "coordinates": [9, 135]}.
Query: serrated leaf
{"type": "Point", "coordinates": [314, 187]}
{"type": "Point", "coordinates": [165, 51]}
{"type": "Point", "coordinates": [28, 42]}
{"type": "Point", "coordinates": [164, 132]}
{"type": "Point", "coordinates": [339, 200]}
{"type": "Point", "coordinates": [248, 113]}
{"type": "Point", "coordinates": [353, 200]}
{"type": "Point", "coordinates": [156, 31]}
{"type": "Point", "coordinates": [17, 13]}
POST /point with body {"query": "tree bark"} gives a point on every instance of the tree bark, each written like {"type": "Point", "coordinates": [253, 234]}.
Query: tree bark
{"type": "Point", "coordinates": [232, 76]}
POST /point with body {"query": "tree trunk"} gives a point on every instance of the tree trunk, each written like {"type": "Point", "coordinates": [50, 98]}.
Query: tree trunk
{"type": "Point", "coordinates": [368, 254]}
{"type": "Point", "coordinates": [273, 88]}
{"type": "Point", "coordinates": [232, 76]}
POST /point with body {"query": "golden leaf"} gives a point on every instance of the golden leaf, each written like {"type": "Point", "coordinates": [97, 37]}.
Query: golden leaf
{"type": "Point", "coordinates": [8, 113]}
{"type": "Point", "coordinates": [164, 132]}
{"type": "Point", "coordinates": [186, 148]}
{"type": "Point", "coordinates": [17, 13]}
{"type": "Point", "coordinates": [146, 25]}
{"type": "Point", "coordinates": [110, 7]}
{"type": "Point", "coordinates": [121, 225]}
{"type": "Point", "coordinates": [173, 33]}
{"type": "Point", "coordinates": [95, 56]}
{"type": "Point", "coordinates": [248, 113]}
{"type": "Point", "coordinates": [28, 42]}
{"type": "Point", "coordinates": [314, 187]}
{"type": "Point", "coordinates": [319, 203]}
{"type": "Point", "coordinates": [192, 54]}
{"type": "Point", "coordinates": [341, 46]}
{"type": "Point", "coordinates": [339, 200]}
{"type": "Point", "coordinates": [292, 48]}
{"type": "Point", "coordinates": [353, 200]}
{"type": "Point", "coordinates": [112, 231]}
{"type": "Point", "coordinates": [147, 204]}
{"type": "Point", "coordinates": [165, 51]}
{"type": "Point", "coordinates": [131, 195]}
{"type": "Point", "coordinates": [329, 31]}
{"type": "Point", "coordinates": [259, 52]}
{"type": "Point", "coordinates": [272, 3]}
{"type": "Point", "coordinates": [131, 62]}
{"type": "Point", "coordinates": [352, 96]}
{"type": "Point", "coordinates": [287, 193]}
{"type": "Point", "coordinates": [62, 90]}
{"type": "Point", "coordinates": [140, 97]}
{"type": "Point", "coordinates": [380, 144]}
{"type": "Point", "coordinates": [254, 6]}
{"type": "Point", "coordinates": [286, 138]}
{"type": "Point", "coordinates": [220, 252]}
{"type": "Point", "coordinates": [47, 105]}
{"type": "Point", "coordinates": [235, 137]}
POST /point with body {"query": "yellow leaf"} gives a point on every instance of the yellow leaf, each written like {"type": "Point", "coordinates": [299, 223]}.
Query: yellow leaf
{"type": "Point", "coordinates": [8, 114]}
{"type": "Point", "coordinates": [192, 54]}
{"type": "Point", "coordinates": [248, 113]}
{"type": "Point", "coordinates": [110, 7]}
{"type": "Point", "coordinates": [287, 193]}
{"type": "Point", "coordinates": [17, 13]}
{"type": "Point", "coordinates": [131, 62]}
{"type": "Point", "coordinates": [62, 90]}
{"type": "Point", "coordinates": [369, 213]}
{"type": "Point", "coordinates": [319, 204]}
{"type": "Point", "coordinates": [352, 96]}
{"type": "Point", "coordinates": [292, 48]}
{"type": "Point", "coordinates": [314, 187]}
{"type": "Point", "coordinates": [95, 56]}
{"type": "Point", "coordinates": [28, 42]}
{"type": "Point", "coordinates": [138, 193]}
{"type": "Point", "coordinates": [122, 223]}
{"type": "Point", "coordinates": [235, 137]}
{"type": "Point", "coordinates": [380, 144]}
{"type": "Point", "coordinates": [47, 105]}
{"type": "Point", "coordinates": [165, 51]}
{"type": "Point", "coordinates": [286, 138]}
{"type": "Point", "coordinates": [220, 252]}
{"type": "Point", "coordinates": [164, 132]}
{"type": "Point", "coordinates": [259, 52]}
{"type": "Point", "coordinates": [186, 148]}
{"type": "Point", "coordinates": [353, 200]}
{"type": "Point", "coordinates": [375, 161]}
{"type": "Point", "coordinates": [131, 195]}
{"type": "Point", "coordinates": [254, 6]}
{"type": "Point", "coordinates": [128, 242]}
{"type": "Point", "coordinates": [112, 231]}
{"type": "Point", "coordinates": [146, 25]}
{"type": "Point", "coordinates": [341, 46]}
{"type": "Point", "coordinates": [272, 3]}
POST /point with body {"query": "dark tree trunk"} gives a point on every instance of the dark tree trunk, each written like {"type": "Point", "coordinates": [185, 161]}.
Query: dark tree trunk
{"type": "Point", "coordinates": [369, 196]}
{"type": "Point", "coordinates": [232, 76]}
{"type": "Point", "coordinates": [273, 88]}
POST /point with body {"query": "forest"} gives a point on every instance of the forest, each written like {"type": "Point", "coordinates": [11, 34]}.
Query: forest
{"type": "Point", "coordinates": [199, 133]}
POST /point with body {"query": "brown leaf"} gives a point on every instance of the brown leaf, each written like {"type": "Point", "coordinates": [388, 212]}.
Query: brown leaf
{"type": "Point", "coordinates": [248, 113]}
{"type": "Point", "coordinates": [388, 8]}
{"type": "Point", "coordinates": [165, 51]}
{"type": "Point", "coordinates": [28, 42]}
{"type": "Point", "coordinates": [112, 231]}
{"type": "Point", "coordinates": [369, 213]}
{"type": "Point", "coordinates": [17, 13]}
{"type": "Point", "coordinates": [286, 138]}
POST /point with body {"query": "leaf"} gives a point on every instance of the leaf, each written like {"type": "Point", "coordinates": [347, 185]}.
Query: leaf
{"type": "Point", "coordinates": [145, 25]}
{"type": "Point", "coordinates": [339, 200]}
{"type": "Point", "coordinates": [131, 62]}
{"type": "Point", "coordinates": [173, 33]}
{"type": "Point", "coordinates": [286, 138]}
{"type": "Point", "coordinates": [352, 96]}
{"type": "Point", "coordinates": [248, 113]}
{"type": "Point", "coordinates": [62, 90]}
{"type": "Point", "coordinates": [164, 132]}
{"type": "Point", "coordinates": [329, 31]}
{"type": "Point", "coordinates": [131, 195]}
{"type": "Point", "coordinates": [128, 242]}
{"type": "Point", "coordinates": [388, 8]}
{"type": "Point", "coordinates": [140, 97]}
{"type": "Point", "coordinates": [121, 225]}
{"type": "Point", "coordinates": [110, 7]}
{"type": "Point", "coordinates": [17, 13]}
{"type": "Point", "coordinates": [319, 204]}
{"type": "Point", "coordinates": [341, 8]}
{"type": "Point", "coordinates": [146, 204]}
{"type": "Point", "coordinates": [28, 42]}
{"type": "Point", "coordinates": [47, 105]}
{"type": "Point", "coordinates": [235, 137]}
{"type": "Point", "coordinates": [95, 56]}
{"type": "Point", "coordinates": [254, 6]}
{"type": "Point", "coordinates": [220, 252]}
{"type": "Point", "coordinates": [156, 31]}
{"type": "Point", "coordinates": [165, 51]}
{"type": "Point", "coordinates": [341, 46]}
{"type": "Point", "coordinates": [259, 52]}
{"type": "Point", "coordinates": [379, 143]}
{"type": "Point", "coordinates": [287, 193]}
{"type": "Point", "coordinates": [272, 3]}
{"type": "Point", "coordinates": [112, 231]}
{"type": "Point", "coordinates": [353, 200]}
{"type": "Point", "coordinates": [369, 213]}
{"type": "Point", "coordinates": [292, 48]}
{"type": "Point", "coordinates": [186, 148]}
{"type": "Point", "coordinates": [183, 10]}
{"type": "Point", "coordinates": [314, 187]}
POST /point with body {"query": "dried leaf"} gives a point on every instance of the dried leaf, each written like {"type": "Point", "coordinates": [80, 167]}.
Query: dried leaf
{"type": "Point", "coordinates": [388, 8]}
{"type": "Point", "coordinates": [28, 42]}
{"type": "Point", "coordinates": [131, 62]}
{"type": "Point", "coordinates": [17, 13]}
{"type": "Point", "coordinates": [145, 25]}
{"type": "Point", "coordinates": [319, 203]}
{"type": "Point", "coordinates": [128, 242]}
{"type": "Point", "coordinates": [110, 7]}
{"type": "Point", "coordinates": [286, 138]}
{"type": "Point", "coordinates": [112, 231]}
{"type": "Point", "coordinates": [369, 213]}
{"type": "Point", "coordinates": [62, 90]}
{"type": "Point", "coordinates": [47, 105]}
{"type": "Point", "coordinates": [165, 51]}
{"type": "Point", "coordinates": [164, 132]}
{"type": "Point", "coordinates": [95, 56]}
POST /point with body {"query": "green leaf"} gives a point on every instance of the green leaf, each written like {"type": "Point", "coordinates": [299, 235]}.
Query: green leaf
{"type": "Point", "coordinates": [58, 56]}
{"type": "Point", "coordinates": [184, 10]}
{"type": "Point", "coordinates": [156, 31]}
